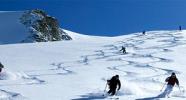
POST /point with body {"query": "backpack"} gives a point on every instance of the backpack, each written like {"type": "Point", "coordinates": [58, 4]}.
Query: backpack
{"type": "Point", "coordinates": [1, 65]}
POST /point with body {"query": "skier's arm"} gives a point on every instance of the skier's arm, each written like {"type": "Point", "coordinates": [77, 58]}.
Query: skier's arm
{"type": "Point", "coordinates": [121, 49]}
{"type": "Point", "coordinates": [167, 79]}
{"type": "Point", "coordinates": [119, 84]}
{"type": "Point", "coordinates": [108, 82]}
{"type": "Point", "coordinates": [177, 82]}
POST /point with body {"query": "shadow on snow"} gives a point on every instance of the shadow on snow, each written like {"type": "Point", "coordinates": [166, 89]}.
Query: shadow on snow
{"type": "Point", "coordinates": [91, 96]}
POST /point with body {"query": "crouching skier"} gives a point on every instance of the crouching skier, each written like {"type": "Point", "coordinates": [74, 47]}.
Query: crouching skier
{"type": "Point", "coordinates": [113, 83]}
{"type": "Point", "coordinates": [171, 81]}
{"type": "Point", "coordinates": [123, 49]}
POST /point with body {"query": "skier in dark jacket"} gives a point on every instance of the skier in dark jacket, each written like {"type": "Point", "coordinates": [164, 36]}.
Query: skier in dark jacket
{"type": "Point", "coordinates": [171, 81]}
{"type": "Point", "coordinates": [1, 66]}
{"type": "Point", "coordinates": [180, 28]}
{"type": "Point", "coordinates": [143, 32]}
{"type": "Point", "coordinates": [123, 49]}
{"type": "Point", "coordinates": [113, 83]}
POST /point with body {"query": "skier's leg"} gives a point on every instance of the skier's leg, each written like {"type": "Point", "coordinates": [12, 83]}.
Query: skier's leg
{"type": "Point", "coordinates": [167, 91]}
{"type": "Point", "coordinates": [164, 93]}
{"type": "Point", "coordinates": [109, 91]}
{"type": "Point", "coordinates": [125, 51]}
{"type": "Point", "coordinates": [170, 88]}
{"type": "Point", "coordinates": [113, 91]}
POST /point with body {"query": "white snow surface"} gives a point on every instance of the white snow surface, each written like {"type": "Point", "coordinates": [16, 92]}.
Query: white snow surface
{"type": "Point", "coordinates": [78, 69]}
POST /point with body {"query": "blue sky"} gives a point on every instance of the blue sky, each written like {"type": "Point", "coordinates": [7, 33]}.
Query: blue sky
{"type": "Point", "coordinates": [108, 17]}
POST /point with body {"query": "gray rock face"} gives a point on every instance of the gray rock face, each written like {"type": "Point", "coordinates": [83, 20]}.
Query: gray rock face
{"type": "Point", "coordinates": [42, 27]}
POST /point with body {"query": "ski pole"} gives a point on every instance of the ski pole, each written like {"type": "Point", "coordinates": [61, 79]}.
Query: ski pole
{"type": "Point", "coordinates": [105, 89]}
{"type": "Point", "coordinates": [179, 88]}
{"type": "Point", "coordinates": [163, 86]}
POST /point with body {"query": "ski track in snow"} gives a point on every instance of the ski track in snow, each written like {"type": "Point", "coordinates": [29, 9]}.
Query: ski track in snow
{"type": "Point", "coordinates": [110, 53]}
{"type": "Point", "coordinates": [58, 70]}
{"type": "Point", "coordinates": [21, 79]}
{"type": "Point", "coordinates": [6, 95]}
{"type": "Point", "coordinates": [31, 78]}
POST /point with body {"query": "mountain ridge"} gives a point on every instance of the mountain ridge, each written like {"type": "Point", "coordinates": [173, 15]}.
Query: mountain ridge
{"type": "Point", "coordinates": [13, 27]}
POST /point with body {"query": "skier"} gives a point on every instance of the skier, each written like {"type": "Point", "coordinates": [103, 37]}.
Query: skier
{"type": "Point", "coordinates": [1, 66]}
{"type": "Point", "coordinates": [180, 28]}
{"type": "Point", "coordinates": [113, 83]}
{"type": "Point", "coordinates": [143, 32]}
{"type": "Point", "coordinates": [123, 49]}
{"type": "Point", "coordinates": [171, 80]}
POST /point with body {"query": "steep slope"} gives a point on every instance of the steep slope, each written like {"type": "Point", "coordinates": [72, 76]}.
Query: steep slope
{"type": "Point", "coordinates": [78, 69]}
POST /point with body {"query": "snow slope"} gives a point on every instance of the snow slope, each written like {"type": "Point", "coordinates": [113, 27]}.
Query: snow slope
{"type": "Point", "coordinates": [78, 69]}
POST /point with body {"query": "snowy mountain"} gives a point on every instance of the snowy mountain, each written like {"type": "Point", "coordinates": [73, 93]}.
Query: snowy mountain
{"type": "Point", "coordinates": [78, 69]}
{"type": "Point", "coordinates": [29, 26]}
